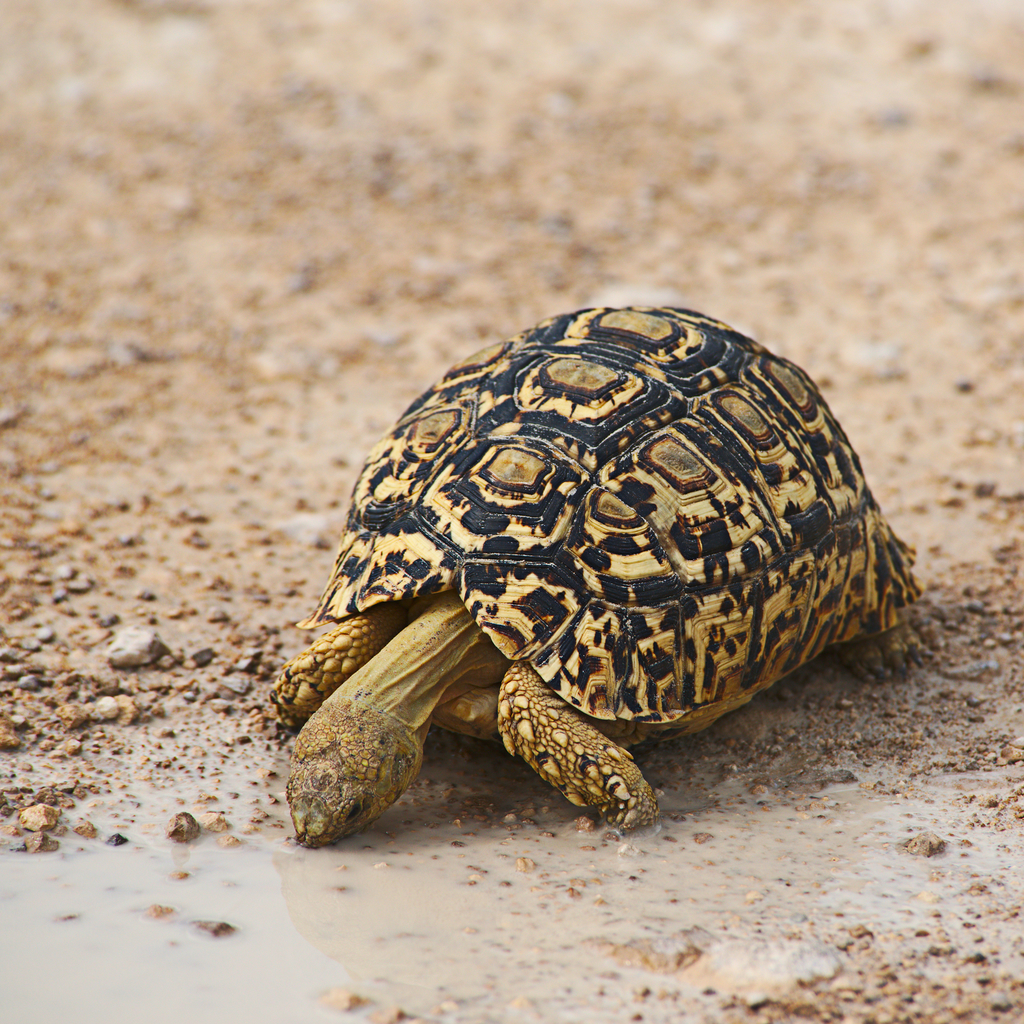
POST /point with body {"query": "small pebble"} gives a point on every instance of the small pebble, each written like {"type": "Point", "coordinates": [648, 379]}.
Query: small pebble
{"type": "Point", "coordinates": [235, 686]}
{"type": "Point", "coordinates": [702, 837]}
{"type": "Point", "coordinates": [39, 817]}
{"type": "Point", "coordinates": [525, 864]}
{"type": "Point", "coordinates": [183, 828]}
{"type": "Point", "coordinates": [214, 821]}
{"type": "Point", "coordinates": [249, 661]}
{"type": "Point", "coordinates": [228, 841]}
{"type": "Point", "coordinates": [105, 708]}
{"type": "Point", "coordinates": [203, 657]}
{"type": "Point", "coordinates": [9, 738]}
{"type": "Point", "coordinates": [30, 682]}
{"type": "Point", "coordinates": [218, 929]}
{"type": "Point", "coordinates": [86, 829]}
{"type": "Point", "coordinates": [40, 842]}
{"type": "Point", "coordinates": [924, 844]}
{"type": "Point", "coordinates": [74, 715]}
{"type": "Point", "coordinates": [116, 839]}
{"type": "Point", "coordinates": [157, 911]}
{"type": "Point", "coordinates": [135, 646]}
{"type": "Point", "coordinates": [45, 634]}
{"type": "Point", "coordinates": [343, 1000]}
{"type": "Point", "coordinates": [584, 824]}
{"type": "Point", "coordinates": [127, 711]}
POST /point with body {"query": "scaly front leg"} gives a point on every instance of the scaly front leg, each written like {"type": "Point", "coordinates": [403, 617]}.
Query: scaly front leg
{"type": "Point", "coordinates": [566, 750]}
{"type": "Point", "coordinates": [312, 676]}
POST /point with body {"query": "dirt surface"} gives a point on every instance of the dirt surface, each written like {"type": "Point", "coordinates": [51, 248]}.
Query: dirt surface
{"type": "Point", "coordinates": [237, 239]}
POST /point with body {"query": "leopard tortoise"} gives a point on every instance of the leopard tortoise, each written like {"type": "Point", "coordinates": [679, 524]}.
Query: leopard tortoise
{"type": "Point", "coordinates": [616, 526]}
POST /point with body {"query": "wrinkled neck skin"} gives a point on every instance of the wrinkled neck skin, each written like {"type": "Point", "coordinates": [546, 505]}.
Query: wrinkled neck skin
{"type": "Point", "coordinates": [364, 746]}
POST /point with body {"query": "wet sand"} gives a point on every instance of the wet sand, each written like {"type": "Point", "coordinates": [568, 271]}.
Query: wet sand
{"type": "Point", "coordinates": [238, 240]}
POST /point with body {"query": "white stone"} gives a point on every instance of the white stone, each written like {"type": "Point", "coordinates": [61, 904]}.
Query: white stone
{"type": "Point", "coordinates": [106, 708]}
{"type": "Point", "coordinates": [135, 646]}
{"type": "Point", "coordinates": [759, 969]}
{"type": "Point", "coordinates": [629, 850]}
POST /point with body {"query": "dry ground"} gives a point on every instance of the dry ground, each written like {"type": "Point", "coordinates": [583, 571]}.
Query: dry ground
{"type": "Point", "coordinates": [236, 239]}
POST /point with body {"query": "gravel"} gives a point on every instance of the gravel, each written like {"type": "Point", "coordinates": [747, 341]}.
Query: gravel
{"type": "Point", "coordinates": [183, 828]}
{"type": "Point", "coordinates": [73, 716]}
{"type": "Point", "coordinates": [39, 817]}
{"type": "Point", "coordinates": [925, 844]}
{"type": "Point", "coordinates": [41, 842]}
{"type": "Point", "coordinates": [215, 929]}
{"type": "Point", "coordinates": [105, 708]}
{"type": "Point", "coordinates": [9, 739]}
{"type": "Point", "coordinates": [135, 646]}
{"type": "Point", "coordinates": [214, 821]}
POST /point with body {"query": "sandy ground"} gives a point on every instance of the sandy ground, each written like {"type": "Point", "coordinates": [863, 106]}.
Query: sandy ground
{"type": "Point", "coordinates": [237, 238]}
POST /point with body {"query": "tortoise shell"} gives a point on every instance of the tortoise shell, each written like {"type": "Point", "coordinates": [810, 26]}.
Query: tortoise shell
{"type": "Point", "coordinates": [652, 509]}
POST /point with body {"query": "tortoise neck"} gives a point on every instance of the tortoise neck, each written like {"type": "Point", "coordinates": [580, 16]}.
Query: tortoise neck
{"type": "Point", "coordinates": [441, 647]}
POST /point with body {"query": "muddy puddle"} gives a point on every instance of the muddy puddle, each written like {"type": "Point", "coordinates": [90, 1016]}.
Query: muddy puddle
{"type": "Point", "coordinates": [482, 896]}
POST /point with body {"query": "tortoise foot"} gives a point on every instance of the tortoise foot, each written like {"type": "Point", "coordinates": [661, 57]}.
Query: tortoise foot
{"type": "Point", "coordinates": [559, 743]}
{"type": "Point", "coordinates": [883, 655]}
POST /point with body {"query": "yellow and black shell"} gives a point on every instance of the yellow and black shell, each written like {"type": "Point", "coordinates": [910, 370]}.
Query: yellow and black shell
{"type": "Point", "coordinates": [652, 509]}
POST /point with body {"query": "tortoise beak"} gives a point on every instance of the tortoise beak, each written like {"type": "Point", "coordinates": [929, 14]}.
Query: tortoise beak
{"type": "Point", "coordinates": [313, 821]}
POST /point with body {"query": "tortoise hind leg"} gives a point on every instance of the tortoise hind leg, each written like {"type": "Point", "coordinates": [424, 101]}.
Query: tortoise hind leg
{"type": "Point", "coordinates": [312, 676]}
{"type": "Point", "coordinates": [566, 750]}
{"type": "Point", "coordinates": [882, 655]}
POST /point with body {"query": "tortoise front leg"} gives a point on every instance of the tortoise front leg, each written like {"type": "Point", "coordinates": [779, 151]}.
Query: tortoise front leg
{"type": "Point", "coordinates": [312, 676]}
{"type": "Point", "coordinates": [565, 749]}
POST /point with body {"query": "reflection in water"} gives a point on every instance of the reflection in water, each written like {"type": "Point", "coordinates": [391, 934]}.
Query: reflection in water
{"type": "Point", "coordinates": [381, 919]}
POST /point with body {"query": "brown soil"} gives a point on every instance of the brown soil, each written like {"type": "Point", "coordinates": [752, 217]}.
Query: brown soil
{"type": "Point", "coordinates": [236, 240]}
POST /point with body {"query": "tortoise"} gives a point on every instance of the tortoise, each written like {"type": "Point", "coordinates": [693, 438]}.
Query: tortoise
{"type": "Point", "coordinates": [613, 527]}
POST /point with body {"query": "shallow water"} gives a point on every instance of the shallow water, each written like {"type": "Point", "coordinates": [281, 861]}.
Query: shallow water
{"type": "Point", "coordinates": [429, 912]}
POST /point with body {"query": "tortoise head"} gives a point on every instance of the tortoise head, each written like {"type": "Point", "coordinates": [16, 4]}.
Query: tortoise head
{"type": "Point", "coordinates": [351, 762]}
